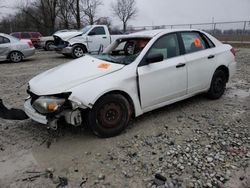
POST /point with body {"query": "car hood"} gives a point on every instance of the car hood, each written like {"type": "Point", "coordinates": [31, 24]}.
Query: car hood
{"type": "Point", "coordinates": [64, 77]}
{"type": "Point", "coordinates": [68, 35]}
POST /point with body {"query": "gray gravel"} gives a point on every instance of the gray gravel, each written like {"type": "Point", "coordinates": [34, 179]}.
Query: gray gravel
{"type": "Point", "coordinates": [193, 143]}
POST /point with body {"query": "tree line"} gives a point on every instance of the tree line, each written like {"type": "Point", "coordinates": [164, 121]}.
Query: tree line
{"type": "Point", "coordinates": [48, 16]}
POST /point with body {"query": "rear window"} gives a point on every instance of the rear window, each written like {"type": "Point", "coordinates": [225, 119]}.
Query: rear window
{"type": "Point", "coordinates": [25, 35]}
{"type": "Point", "coordinates": [4, 40]}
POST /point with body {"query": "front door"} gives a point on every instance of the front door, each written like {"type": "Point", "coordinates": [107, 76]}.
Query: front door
{"type": "Point", "coordinates": [97, 37]}
{"type": "Point", "coordinates": [166, 80]}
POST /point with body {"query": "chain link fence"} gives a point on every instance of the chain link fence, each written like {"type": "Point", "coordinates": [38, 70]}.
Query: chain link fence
{"type": "Point", "coordinates": [228, 32]}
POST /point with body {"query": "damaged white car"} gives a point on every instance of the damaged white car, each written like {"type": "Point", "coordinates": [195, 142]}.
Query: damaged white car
{"type": "Point", "coordinates": [135, 74]}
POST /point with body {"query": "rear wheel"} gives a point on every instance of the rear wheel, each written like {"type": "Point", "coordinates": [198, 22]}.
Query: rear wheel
{"type": "Point", "coordinates": [16, 57]}
{"type": "Point", "coordinates": [218, 85]}
{"type": "Point", "coordinates": [78, 51]}
{"type": "Point", "coordinates": [110, 115]}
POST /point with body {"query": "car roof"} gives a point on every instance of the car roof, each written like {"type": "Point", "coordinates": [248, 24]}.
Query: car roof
{"type": "Point", "coordinates": [4, 34]}
{"type": "Point", "coordinates": [152, 33]}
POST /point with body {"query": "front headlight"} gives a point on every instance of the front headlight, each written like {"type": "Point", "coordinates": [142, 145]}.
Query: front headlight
{"type": "Point", "coordinates": [46, 105]}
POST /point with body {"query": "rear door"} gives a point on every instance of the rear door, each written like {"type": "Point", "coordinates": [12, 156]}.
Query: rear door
{"type": "Point", "coordinates": [4, 47]}
{"type": "Point", "coordinates": [201, 60]}
{"type": "Point", "coordinates": [97, 37]}
{"type": "Point", "coordinates": [166, 80]}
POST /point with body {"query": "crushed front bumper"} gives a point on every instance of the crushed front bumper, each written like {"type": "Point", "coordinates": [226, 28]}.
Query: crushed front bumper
{"type": "Point", "coordinates": [64, 50]}
{"type": "Point", "coordinates": [31, 112]}
{"type": "Point", "coordinates": [72, 117]}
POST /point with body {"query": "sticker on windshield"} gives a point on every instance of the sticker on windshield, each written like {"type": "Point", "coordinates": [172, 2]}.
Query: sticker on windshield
{"type": "Point", "coordinates": [197, 42]}
{"type": "Point", "coordinates": [103, 66]}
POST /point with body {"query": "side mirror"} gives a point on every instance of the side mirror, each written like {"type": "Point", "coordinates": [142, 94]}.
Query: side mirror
{"type": "Point", "coordinates": [154, 58]}
{"type": "Point", "coordinates": [91, 33]}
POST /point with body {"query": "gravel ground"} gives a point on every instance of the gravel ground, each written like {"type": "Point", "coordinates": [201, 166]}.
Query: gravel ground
{"type": "Point", "coordinates": [193, 143]}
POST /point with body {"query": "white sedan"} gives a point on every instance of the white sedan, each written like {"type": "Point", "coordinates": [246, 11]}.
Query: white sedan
{"type": "Point", "coordinates": [14, 49]}
{"type": "Point", "coordinates": [135, 74]}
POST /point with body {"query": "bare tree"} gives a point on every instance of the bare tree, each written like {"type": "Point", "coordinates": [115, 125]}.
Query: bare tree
{"type": "Point", "coordinates": [65, 12]}
{"type": "Point", "coordinates": [89, 9]}
{"type": "Point", "coordinates": [75, 9]}
{"type": "Point", "coordinates": [42, 12]}
{"type": "Point", "coordinates": [125, 10]}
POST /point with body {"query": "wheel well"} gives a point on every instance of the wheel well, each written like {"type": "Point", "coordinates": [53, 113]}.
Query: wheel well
{"type": "Point", "coordinates": [225, 70]}
{"type": "Point", "coordinates": [14, 51]}
{"type": "Point", "coordinates": [82, 45]}
{"type": "Point", "coordinates": [49, 41]}
{"type": "Point", "coordinates": [124, 94]}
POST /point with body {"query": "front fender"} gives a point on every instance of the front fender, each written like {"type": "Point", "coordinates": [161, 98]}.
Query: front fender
{"type": "Point", "coordinates": [88, 93]}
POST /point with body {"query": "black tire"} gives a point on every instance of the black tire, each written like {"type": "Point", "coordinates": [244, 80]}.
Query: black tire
{"type": "Point", "coordinates": [218, 85]}
{"type": "Point", "coordinates": [78, 51]}
{"type": "Point", "coordinates": [110, 115]}
{"type": "Point", "coordinates": [48, 45]}
{"type": "Point", "coordinates": [16, 57]}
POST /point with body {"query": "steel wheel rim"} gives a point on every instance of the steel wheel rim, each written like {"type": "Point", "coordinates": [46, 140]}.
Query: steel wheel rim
{"type": "Point", "coordinates": [110, 115]}
{"type": "Point", "coordinates": [16, 57]}
{"type": "Point", "coordinates": [78, 52]}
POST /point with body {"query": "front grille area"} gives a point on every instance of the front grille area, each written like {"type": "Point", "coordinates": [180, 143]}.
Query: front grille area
{"type": "Point", "coordinates": [59, 42]}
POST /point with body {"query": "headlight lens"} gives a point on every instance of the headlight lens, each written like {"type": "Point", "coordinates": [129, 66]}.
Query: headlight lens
{"type": "Point", "coordinates": [46, 105]}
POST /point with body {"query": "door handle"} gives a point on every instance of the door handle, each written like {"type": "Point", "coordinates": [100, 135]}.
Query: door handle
{"type": "Point", "coordinates": [104, 37]}
{"type": "Point", "coordinates": [211, 57]}
{"type": "Point", "coordinates": [180, 65]}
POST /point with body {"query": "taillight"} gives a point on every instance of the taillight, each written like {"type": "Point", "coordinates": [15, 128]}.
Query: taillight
{"type": "Point", "coordinates": [30, 44]}
{"type": "Point", "coordinates": [233, 51]}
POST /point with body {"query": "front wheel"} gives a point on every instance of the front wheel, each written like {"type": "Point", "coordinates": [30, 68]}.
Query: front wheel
{"type": "Point", "coordinates": [110, 115]}
{"type": "Point", "coordinates": [16, 57]}
{"type": "Point", "coordinates": [218, 85]}
{"type": "Point", "coordinates": [78, 51]}
{"type": "Point", "coordinates": [48, 46]}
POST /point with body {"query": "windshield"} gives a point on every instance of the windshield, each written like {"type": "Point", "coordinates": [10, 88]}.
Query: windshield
{"type": "Point", "coordinates": [124, 51]}
{"type": "Point", "coordinates": [85, 29]}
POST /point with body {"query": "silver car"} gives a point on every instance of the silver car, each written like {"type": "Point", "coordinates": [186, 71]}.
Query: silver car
{"type": "Point", "coordinates": [13, 49]}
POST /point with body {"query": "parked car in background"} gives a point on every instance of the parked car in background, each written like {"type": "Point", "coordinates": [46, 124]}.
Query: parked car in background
{"type": "Point", "coordinates": [14, 49]}
{"type": "Point", "coordinates": [47, 43]}
{"type": "Point", "coordinates": [33, 36]}
{"type": "Point", "coordinates": [134, 75]}
{"type": "Point", "coordinates": [90, 39]}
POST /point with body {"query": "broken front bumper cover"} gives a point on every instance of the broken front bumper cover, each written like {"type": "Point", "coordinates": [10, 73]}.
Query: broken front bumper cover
{"type": "Point", "coordinates": [72, 117]}
{"type": "Point", "coordinates": [31, 112]}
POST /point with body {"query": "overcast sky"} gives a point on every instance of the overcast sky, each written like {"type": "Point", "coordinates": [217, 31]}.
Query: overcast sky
{"type": "Point", "coordinates": [166, 12]}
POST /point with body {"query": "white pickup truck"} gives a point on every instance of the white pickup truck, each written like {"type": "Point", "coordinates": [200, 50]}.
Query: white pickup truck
{"type": "Point", "coordinates": [90, 39]}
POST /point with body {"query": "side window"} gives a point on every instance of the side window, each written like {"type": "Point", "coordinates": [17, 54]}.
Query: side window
{"type": "Point", "coordinates": [1, 40]}
{"type": "Point", "coordinates": [167, 45]}
{"type": "Point", "coordinates": [4, 40]}
{"type": "Point", "coordinates": [98, 31]}
{"type": "Point", "coordinates": [209, 42]}
{"type": "Point", "coordinates": [15, 35]}
{"type": "Point", "coordinates": [193, 42]}
{"type": "Point", "coordinates": [35, 35]}
{"type": "Point", "coordinates": [25, 35]}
